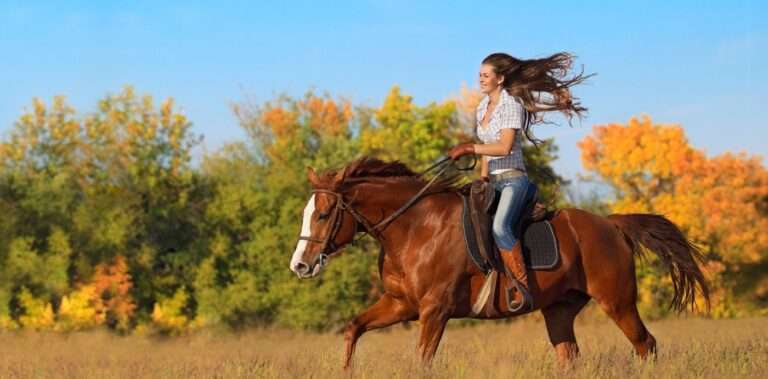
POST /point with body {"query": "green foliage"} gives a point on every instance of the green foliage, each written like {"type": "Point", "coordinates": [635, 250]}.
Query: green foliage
{"type": "Point", "coordinates": [538, 162]}
{"type": "Point", "coordinates": [414, 135]}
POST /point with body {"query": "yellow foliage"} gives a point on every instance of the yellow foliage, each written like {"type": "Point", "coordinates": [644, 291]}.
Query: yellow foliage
{"type": "Point", "coordinates": [168, 314]}
{"type": "Point", "coordinates": [7, 323]}
{"type": "Point", "coordinates": [38, 313]}
{"type": "Point", "coordinates": [82, 309]}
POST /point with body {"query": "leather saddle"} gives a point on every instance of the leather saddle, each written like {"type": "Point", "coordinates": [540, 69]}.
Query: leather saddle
{"type": "Point", "coordinates": [480, 200]}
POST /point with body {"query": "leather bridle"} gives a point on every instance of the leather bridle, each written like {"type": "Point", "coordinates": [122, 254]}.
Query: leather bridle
{"type": "Point", "coordinates": [328, 246]}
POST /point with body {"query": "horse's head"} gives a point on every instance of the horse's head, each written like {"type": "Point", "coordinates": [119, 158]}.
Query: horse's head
{"type": "Point", "coordinates": [327, 225]}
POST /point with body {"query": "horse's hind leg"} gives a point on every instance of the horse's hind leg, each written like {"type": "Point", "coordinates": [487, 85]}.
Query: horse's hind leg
{"type": "Point", "coordinates": [559, 319]}
{"type": "Point", "coordinates": [385, 312]}
{"type": "Point", "coordinates": [628, 319]}
{"type": "Point", "coordinates": [619, 300]}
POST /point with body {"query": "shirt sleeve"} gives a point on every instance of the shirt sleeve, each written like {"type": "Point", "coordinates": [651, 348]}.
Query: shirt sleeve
{"type": "Point", "coordinates": [511, 115]}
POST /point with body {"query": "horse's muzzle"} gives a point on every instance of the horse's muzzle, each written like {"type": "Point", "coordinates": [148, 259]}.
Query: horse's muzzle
{"type": "Point", "coordinates": [304, 271]}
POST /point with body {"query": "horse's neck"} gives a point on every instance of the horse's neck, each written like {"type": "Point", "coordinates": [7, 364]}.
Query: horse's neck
{"type": "Point", "coordinates": [379, 200]}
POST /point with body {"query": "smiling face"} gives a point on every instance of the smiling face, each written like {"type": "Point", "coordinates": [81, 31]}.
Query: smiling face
{"type": "Point", "coordinates": [488, 80]}
{"type": "Point", "coordinates": [325, 228]}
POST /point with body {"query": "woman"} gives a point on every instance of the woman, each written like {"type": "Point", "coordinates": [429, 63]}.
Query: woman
{"type": "Point", "coordinates": [518, 92]}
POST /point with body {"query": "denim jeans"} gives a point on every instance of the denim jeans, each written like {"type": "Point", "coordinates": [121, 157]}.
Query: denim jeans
{"type": "Point", "coordinates": [515, 193]}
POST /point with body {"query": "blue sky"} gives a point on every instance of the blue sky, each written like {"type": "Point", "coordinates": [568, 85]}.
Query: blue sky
{"type": "Point", "coordinates": [696, 63]}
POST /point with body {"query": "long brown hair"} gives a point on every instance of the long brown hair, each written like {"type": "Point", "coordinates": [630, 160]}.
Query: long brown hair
{"type": "Point", "coordinates": [523, 78]}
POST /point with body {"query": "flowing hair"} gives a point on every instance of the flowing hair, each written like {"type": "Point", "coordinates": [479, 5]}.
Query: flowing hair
{"type": "Point", "coordinates": [529, 80]}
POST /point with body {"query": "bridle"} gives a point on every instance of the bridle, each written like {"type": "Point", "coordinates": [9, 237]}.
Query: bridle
{"type": "Point", "coordinates": [328, 246]}
{"type": "Point", "coordinates": [327, 243]}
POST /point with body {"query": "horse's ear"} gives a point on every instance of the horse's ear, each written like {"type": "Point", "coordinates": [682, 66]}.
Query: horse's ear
{"type": "Point", "coordinates": [339, 177]}
{"type": "Point", "coordinates": [312, 175]}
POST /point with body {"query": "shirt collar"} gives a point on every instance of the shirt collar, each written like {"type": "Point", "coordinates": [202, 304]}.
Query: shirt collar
{"type": "Point", "coordinates": [504, 97]}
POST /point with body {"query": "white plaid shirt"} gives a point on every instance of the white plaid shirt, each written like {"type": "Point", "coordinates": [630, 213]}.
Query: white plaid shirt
{"type": "Point", "coordinates": [508, 113]}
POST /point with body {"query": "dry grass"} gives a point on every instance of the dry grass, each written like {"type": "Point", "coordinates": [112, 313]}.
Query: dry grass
{"type": "Point", "coordinates": [689, 348]}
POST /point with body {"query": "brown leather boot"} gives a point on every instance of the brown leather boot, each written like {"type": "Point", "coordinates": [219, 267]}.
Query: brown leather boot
{"type": "Point", "coordinates": [518, 276]}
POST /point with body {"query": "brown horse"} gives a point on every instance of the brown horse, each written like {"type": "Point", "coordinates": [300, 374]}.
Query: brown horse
{"type": "Point", "coordinates": [427, 275]}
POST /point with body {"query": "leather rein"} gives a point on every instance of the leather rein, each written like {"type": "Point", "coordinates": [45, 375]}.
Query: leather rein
{"type": "Point", "coordinates": [328, 246]}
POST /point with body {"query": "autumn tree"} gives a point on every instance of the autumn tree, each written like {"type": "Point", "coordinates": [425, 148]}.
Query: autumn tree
{"type": "Point", "coordinates": [720, 203]}
{"type": "Point", "coordinates": [79, 190]}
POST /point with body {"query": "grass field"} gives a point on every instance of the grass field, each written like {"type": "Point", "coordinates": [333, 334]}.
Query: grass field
{"type": "Point", "coordinates": [688, 348]}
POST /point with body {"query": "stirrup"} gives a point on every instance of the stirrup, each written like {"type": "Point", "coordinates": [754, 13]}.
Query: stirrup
{"type": "Point", "coordinates": [526, 300]}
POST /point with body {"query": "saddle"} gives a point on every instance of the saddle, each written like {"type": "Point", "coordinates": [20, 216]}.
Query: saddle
{"type": "Point", "coordinates": [533, 230]}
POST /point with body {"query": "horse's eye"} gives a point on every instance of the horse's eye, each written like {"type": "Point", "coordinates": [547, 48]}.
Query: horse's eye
{"type": "Point", "coordinates": [323, 216]}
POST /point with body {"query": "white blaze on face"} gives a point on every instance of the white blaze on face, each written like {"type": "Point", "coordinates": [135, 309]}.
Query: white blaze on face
{"type": "Point", "coordinates": [305, 223]}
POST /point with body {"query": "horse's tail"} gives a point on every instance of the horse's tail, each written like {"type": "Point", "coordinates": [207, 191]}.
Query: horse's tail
{"type": "Point", "coordinates": [661, 236]}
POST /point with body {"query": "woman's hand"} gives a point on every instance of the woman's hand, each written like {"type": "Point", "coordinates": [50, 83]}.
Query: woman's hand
{"type": "Point", "coordinates": [461, 150]}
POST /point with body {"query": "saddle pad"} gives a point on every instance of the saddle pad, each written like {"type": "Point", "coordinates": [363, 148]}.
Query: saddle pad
{"type": "Point", "coordinates": [540, 246]}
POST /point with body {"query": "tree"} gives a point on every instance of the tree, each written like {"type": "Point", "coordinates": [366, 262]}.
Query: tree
{"type": "Point", "coordinates": [80, 190]}
{"type": "Point", "coordinates": [719, 202]}
{"type": "Point", "coordinates": [415, 135]}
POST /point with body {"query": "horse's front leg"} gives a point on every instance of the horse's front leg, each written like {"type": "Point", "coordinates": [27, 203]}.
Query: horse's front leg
{"type": "Point", "coordinates": [385, 312]}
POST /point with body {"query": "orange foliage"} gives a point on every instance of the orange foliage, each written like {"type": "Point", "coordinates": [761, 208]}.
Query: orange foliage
{"type": "Point", "coordinates": [654, 169]}
{"type": "Point", "coordinates": [112, 285]}
{"type": "Point", "coordinates": [281, 122]}
{"type": "Point", "coordinates": [325, 116]}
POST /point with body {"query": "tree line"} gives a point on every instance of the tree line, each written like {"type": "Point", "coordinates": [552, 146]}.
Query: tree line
{"type": "Point", "coordinates": [107, 222]}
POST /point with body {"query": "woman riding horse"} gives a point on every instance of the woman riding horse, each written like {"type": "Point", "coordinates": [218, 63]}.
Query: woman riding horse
{"type": "Point", "coordinates": [425, 270]}
{"type": "Point", "coordinates": [514, 89]}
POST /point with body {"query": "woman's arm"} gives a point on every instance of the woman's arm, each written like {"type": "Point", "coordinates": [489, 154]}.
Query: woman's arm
{"type": "Point", "coordinates": [483, 167]}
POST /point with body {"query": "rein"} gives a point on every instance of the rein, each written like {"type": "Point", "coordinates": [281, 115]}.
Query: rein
{"type": "Point", "coordinates": [372, 229]}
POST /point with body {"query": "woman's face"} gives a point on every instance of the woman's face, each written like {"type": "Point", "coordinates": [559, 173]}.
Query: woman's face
{"type": "Point", "coordinates": [488, 79]}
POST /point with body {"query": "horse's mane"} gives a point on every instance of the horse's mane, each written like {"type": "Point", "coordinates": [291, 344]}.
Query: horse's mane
{"type": "Point", "coordinates": [370, 168]}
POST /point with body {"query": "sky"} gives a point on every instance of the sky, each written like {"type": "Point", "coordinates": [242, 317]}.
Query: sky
{"type": "Point", "coordinates": [699, 64]}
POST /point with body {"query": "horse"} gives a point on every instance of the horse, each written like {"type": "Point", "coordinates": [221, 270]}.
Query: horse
{"type": "Point", "coordinates": [427, 276]}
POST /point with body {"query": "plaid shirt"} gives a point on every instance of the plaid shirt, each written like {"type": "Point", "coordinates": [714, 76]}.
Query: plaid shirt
{"type": "Point", "coordinates": [509, 113]}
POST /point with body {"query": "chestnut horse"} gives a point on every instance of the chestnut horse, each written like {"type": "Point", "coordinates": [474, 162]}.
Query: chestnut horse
{"type": "Point", "coordinates": [428, 276]}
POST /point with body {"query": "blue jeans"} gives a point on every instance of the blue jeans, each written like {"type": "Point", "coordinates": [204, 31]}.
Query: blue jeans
{"type": "Point", "coordinates": [515, 193]}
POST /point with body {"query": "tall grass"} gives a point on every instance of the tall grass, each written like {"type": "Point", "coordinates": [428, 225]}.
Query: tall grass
{"type": "Point", "coordinates": [688, 348]}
